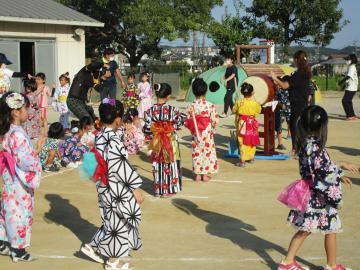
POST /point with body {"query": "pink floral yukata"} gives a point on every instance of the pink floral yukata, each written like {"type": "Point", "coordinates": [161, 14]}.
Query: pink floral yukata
{"type": "Point", "coordinates": [17, 201]}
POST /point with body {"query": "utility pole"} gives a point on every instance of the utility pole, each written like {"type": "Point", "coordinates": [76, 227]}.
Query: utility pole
{"type": "Point", "coordinates": [203, 43]}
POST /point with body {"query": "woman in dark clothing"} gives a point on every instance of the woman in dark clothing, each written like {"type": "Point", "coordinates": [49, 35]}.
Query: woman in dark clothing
{"type": "Point", "coordinates": [85, 79]}
{"type": "Point", "coordinates": [299, 90]}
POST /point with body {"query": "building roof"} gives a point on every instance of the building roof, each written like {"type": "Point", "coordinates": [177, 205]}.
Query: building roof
{"type": "Point", "coordinates": [43, 11]}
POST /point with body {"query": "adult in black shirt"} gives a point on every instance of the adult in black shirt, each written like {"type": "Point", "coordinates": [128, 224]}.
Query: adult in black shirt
{"type": "Point", "coordinates": [81, 84]}
{"type": "Point", "coordinates": [230, 81]}
{"type": "Point", "coordinates": [299, 90]}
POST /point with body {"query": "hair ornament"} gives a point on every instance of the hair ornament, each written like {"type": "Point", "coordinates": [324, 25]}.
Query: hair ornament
{"type": "Point", "coordinates": [158, 87]}
{"type": "Point", "coordinates": [15, 101]}
{"type": "Point", "coordinates": [317, 116]}
{"type": "Point", "coordinates": [109, 101]}
{"type": "Point", "coordinates": [75, 130]}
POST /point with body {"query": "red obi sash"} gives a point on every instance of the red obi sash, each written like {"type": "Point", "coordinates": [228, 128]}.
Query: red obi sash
{"type": "Point", "coordinates": [101, 168]}
{"type": "Point", "coordinates": [201, 121]}
{"type": "Point", "coordinates": [7, 162]}
{"type": "Point", "coordinates": [161, 142]}
{"type": "Point", "coordinates": [248, 130]}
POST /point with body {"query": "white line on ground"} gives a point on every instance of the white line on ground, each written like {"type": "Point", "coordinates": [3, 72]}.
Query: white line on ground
{"type": "Point", "coordinates": [188, 259]}
{"type": "Point", "coordinates": [218, 181]}
{"type": "Point", "coordinates": [178, 197]}
{"type": "Point", "coordinates": [56, 173]}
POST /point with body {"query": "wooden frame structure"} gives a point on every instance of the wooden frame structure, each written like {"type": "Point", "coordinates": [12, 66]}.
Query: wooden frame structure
{"type": "Point", "coordinates": [238, 49]}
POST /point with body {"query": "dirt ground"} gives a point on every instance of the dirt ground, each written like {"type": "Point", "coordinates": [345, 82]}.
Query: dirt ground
{"type": "Point", "coordinates": [233, 222]}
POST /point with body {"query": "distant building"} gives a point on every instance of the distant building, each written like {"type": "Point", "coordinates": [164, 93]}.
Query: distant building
{"type": "Point", "coordinates": [43, 36]}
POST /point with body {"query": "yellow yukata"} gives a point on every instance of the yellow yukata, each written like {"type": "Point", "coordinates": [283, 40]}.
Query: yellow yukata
{"type": "Point", "coordinates": [246, 110]}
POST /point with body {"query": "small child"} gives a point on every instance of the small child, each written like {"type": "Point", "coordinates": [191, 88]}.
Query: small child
{"type": "Point", "coordinates": [145, 95]}
{"type": "Point", "coordinates": [132, 139]}
{"type": "Point", "coordinates": [203, 147]}
{"type": "Point", "coordinates": [34, 123]}
{"type": "Point", "coordinates": [246, 110]}
{"type": "Point", "coordinates": [42, 93]}
{"type": "Point", "coordinates": [324, 179]}
{"type": "Point", "coordinates": [88, 138]}
{"type": "Point", "coordinates": [119, 196]}
{"type": "Point", "coordinates": [161, 122]}
{"type": "Point", "coordinates": [20, 176]}
{"type": "Point", "coordinates": [138, 123]}
{"type": "Point", "coordinates": [59, 100]}
{"type": "Point", "coordinates": [282, 112]}
{"type": "Point", "coordinates": [72, 150]}
{"type": "Point", "coordinates": [50, 157]}
{"type": "Point", "coordinates": [131, 94]}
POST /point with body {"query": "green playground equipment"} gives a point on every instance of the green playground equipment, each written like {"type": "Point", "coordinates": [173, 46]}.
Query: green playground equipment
{"type": "Point", "coordinates": [215, 74]}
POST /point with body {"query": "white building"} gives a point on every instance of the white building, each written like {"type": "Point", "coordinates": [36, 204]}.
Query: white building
{"type": "Point", "coordinates": [43, 36]}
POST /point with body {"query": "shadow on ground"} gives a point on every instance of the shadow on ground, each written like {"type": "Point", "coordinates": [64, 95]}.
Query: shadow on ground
{"type": "Point", "coordinates": [63, 213]}
{"type": "Point", "coordinates": [346, 150]}
{"type": "Point", "coordinates": [237, 231]}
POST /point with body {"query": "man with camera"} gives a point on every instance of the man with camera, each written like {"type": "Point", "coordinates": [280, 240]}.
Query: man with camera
{"type": "Point", "coordinates": [109, 86]}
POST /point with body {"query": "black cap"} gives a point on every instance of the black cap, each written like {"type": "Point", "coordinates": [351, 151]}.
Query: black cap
{"type": "Point", "coordinates": [4, 60]}
{"type": "Point", "coordinates": [352, 57]}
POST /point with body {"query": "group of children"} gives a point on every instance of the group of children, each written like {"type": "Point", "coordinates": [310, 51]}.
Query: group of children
{"type": "Point", "coordinates": [117, 182]}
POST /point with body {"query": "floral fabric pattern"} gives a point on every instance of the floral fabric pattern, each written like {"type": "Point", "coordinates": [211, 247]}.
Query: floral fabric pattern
{"type": "Point", "coordinates": [326, 196]}
{"type": "Point", "coordinates": [72, 150]}
{"type": "Point", "coordinates": [50, 144]}
{"type": "Point", "coordinates": [33, 125]}
{"type": "Point", "coordinates": [204, 151]}
{"type": "Point", "coordinates": [17, 198]}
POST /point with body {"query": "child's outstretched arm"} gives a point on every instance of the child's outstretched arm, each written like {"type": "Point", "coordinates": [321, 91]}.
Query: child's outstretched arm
{"type": "Point", "coordinates": [349, 166]}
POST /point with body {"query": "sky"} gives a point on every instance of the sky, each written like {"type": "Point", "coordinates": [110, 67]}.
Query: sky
{"type": "Point", "coordinates": [346, 37]}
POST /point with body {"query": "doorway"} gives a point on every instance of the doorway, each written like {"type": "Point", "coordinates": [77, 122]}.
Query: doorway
{"type": "Point", "coordinates": [27, 57]}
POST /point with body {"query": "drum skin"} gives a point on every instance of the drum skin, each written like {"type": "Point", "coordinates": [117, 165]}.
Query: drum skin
{"type": "Point", "coordinates": [264, 88]}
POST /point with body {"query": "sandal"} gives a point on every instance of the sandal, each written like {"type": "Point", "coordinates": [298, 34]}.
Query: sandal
{"type": "Point", "coordinates": [26, 257]}
{"type": "Point", "coordinates": [240, 164]}
{"type": "Point", "coordinates": [90, 252]}
{"type": "Point", "coordinates": [5, 250]}
{"type": "Point", "coordinates": [115, 265]}
{"type": "Point", "coordinates": [337, 267]}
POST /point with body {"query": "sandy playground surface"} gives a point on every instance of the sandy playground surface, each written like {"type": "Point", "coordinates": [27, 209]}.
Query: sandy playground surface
{"type": "Point", "coordinates": [233, 222]}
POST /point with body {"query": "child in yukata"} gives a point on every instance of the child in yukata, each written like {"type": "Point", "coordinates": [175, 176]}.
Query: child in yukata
{"type": "Point", "coordinates": [20, 169]}
{"type": "Point", "coordinates": [247, 126]}
{"type": "Point", "coordinates": [161, 123]}
{"type": "Point", "coordinates": [131, 94]}
{"type": "Point", "coordinates": [145, 94]}
{"type": "Point", "coordinates": [204, 158]}
{"type": "Point", "coordinates": [33, 126]}
{"type": "Point", "coordinates": [119, 196]}
{"type": "Point", "coordinates": [59, 100]}
{"type": "Point", "coordinates": [132, 139]}
{"type": "Point", "coordinates": [324, 178]}
{"type": "Point", "coordinates": [50, 157]}
{"type": "Point", "coordinates": [72, 150]}
{"type": "Point", "coordinates": [42, 93]}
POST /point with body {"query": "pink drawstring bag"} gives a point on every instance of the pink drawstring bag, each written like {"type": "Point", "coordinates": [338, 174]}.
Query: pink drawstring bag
{"type": "Point", "coordinates": [296, 195]}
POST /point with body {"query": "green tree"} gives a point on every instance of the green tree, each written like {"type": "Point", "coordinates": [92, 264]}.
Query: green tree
{"type": "Point", "coordinates": [231, 30]}
{"type": "Point", "coordinates": [135, 27]}
{"type": "Point", "coordinates": [299, 21]}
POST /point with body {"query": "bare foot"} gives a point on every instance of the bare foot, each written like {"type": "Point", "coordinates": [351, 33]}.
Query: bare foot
{"type": "Point", "coordinates": [198, 178]}
{"type": "Point", "coordinates": [206, 178]}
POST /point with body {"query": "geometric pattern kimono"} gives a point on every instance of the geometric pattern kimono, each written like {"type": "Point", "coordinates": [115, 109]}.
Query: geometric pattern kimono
{"type": "Point", "coordinates": [17, 200]}
{"type": "Point", "coordinates": [119, 211]}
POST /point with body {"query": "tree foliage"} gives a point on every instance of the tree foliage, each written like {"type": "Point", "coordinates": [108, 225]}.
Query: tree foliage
{"type": "Point", "coordinates": [231, 30]}
{"type": "Point", "coordinates": [135, 27]}
{"type": "Point", "coordinates": [299, 21]}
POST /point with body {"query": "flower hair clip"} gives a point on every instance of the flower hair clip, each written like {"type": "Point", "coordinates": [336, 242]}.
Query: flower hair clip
{"type": "Point", "coordinates": [109, 101]}
{"type": "Point", "coordinates": [15, 101]}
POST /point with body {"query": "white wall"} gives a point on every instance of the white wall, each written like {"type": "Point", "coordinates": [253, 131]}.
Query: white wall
{"type": "Point", "coordinates": [69, 53]}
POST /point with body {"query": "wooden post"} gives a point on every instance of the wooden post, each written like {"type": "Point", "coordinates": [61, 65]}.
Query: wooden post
{"type": "Point", "coordinates": [238, 55]}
